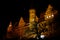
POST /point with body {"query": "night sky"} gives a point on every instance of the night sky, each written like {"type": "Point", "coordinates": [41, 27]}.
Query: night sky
{"type": "Point", "coordinates": [13, 10]}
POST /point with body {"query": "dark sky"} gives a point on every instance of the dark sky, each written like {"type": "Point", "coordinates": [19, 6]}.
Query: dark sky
{"type": "Point", "coordinates": [18, 8]}
{"type": "Point", "coordinates": [13, 10]}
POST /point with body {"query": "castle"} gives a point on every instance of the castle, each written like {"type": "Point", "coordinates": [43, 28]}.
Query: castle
{"type": "Point", "coordinates": [22, 26]}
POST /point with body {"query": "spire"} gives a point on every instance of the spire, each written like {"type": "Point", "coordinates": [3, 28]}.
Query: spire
{"type": "Point", "coordinates": [9, 27]}
{"type": "Point", "coordinates": [49, 9]}
{"type": "Point", "coordinates": [36, 18]}
{"type": "Point", "coordinates": [21, 22]}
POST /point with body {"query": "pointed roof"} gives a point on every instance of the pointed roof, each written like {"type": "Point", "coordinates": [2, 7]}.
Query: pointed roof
{"type": "Point", "coordinates": [36, 18]}
{"type": "Point", "coordinates": [9, 27]}
{"type": "Point", "coordinates": [21, 22]}
{"type": "Point", "coordinates": [49, 6]}
{"type": "Point", "coordinates": [49, 9]}
{"type": "Point", "coordinates": [10, 24]}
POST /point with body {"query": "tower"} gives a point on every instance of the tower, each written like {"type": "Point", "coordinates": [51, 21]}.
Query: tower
{"type": "Point", "coordinates": [21, 26]}
{"type": "Point", "coordinates": [9, 30]}
{"type": "Point", "coordinates": [32, 17]}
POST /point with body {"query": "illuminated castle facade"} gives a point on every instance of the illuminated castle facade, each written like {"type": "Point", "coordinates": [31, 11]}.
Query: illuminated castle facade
{"type": "Point", "coordinates": [20, 30]}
